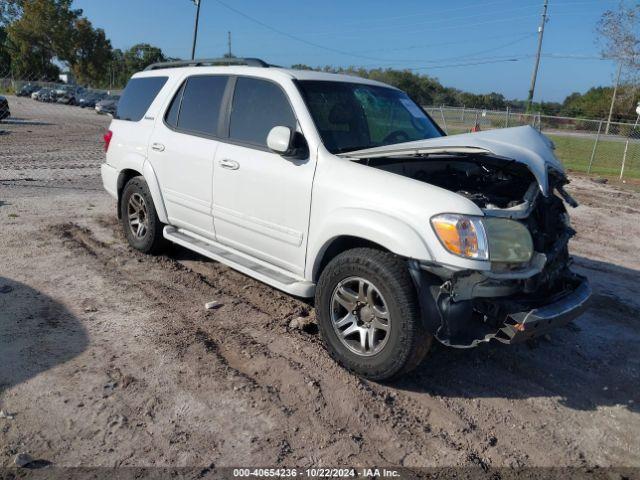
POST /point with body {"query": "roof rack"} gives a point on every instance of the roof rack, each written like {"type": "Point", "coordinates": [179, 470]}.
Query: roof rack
{"type": "Point", "coordinates": [208, 62]}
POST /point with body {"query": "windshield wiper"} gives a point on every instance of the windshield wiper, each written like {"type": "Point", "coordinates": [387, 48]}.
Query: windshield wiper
{"type": "Point", "coordinates": [353, 149]}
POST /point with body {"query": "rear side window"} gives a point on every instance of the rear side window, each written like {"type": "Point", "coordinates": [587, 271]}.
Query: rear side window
{"type": "Point", "coordinates": [137, 97]}
{"type": "Point", "coordinates": [258, 106]}
{"type": "Point", "coordinates": [196, 106]}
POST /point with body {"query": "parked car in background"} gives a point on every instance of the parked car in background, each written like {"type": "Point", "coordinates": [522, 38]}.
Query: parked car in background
{"type": "Point", "coordinates": [345, 189]}
{"type": "Point", "coordinates": [61, 90]}
{"type": "Point", "coordinates": [45, 95]}
{"type": "Point", "coordinates": [108, 105]}
{"type": "Point", "coordinates": [40, 91]}
{"type": "Point", "coordinates": [4, 108]}
{"type": "Point", "coordinates": [27, 90]}
{"type": "Point", "coordinates": [88, 99]}
{"type": "Point", "coordinates": [49, 97]}
{"type": "Point", "coordinates": [68, 94]}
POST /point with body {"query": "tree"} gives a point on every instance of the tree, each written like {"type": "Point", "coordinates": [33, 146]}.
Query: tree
{"type": "Point", "coordinates": [620, 40]}
{"type": "Point", "coordinates": [619, 34]}
{"type": "Point", "coordinates": [140, 56]}
{"type": "Point", "coordinates": [91, 53]}
{"type": "Point", "coordinates": [43, 32]}
{"type": "Point", "coordinates": [5, 57]}
{"type": "Point", "coordinates": [595, 103]}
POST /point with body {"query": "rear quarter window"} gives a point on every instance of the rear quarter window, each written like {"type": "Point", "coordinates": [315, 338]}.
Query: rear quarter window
{"type": "Point", "coordinates": [138, 96]}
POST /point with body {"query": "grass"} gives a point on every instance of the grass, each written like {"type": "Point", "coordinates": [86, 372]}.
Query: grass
{"type": "Point", "coordinates": [575, 154]}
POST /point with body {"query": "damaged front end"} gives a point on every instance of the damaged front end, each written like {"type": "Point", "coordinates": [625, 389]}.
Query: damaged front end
{"type": "Point", "coordinates": [512, 301]}
{"type": "Point", "coordinates": [513, 176]}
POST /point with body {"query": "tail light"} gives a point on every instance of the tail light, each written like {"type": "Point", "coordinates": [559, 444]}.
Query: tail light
{"type": "Point", "coordinates": [107, 140]}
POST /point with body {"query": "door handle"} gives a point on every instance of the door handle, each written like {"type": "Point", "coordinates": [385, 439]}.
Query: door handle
{"type": "Point", "coordinates": [229, 164]}
{"type": "Point", "coordinates": [158, 147]}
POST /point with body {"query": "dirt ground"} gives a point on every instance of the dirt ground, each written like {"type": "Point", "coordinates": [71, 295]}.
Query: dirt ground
{"type": "Point", "coordinates": [109, 358]}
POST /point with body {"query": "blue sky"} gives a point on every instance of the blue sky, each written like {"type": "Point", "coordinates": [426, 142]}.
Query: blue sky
{"type": "Point", "coordinates": [466, 44]}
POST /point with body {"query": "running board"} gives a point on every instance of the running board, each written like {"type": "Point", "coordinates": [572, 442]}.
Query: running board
{"type": "Point", "coordinates": [259, 271]}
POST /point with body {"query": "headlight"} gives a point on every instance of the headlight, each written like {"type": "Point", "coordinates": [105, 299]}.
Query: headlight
{"type": "Point", "coordinates": [484, 238]}
{"type": "Point", "coordinates": [462, 235]}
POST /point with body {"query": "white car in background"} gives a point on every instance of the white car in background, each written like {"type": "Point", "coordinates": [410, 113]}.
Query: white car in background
{"type": "Point", "coordinates": [344, 189]}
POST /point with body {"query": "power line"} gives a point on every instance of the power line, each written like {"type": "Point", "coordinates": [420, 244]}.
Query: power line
{"type": "Point", "coordinates": [468, 25]}
{"type": "Point", "coordinates": [313, 44]}
{"type": "Point", "coordinates": [288, 35]}
{"type": "Point", "coordinates": [462, 57]}
{"type": "Point", "coordinates": [469, 64]}
{"type": "Point", "coordinates": [509, 58]}
{"type": "Point", "coordinates": [441, 21]}
{"type": "Point", "coordinates": [430, 45]}
{"type": "Point", "coordinates": [467, 7]}
{"type": "Point", "coordinates": [475, 6]}
{"type": "Point", "coordinates": [441, 44]}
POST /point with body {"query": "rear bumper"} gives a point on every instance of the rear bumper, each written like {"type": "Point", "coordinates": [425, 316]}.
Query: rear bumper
{"type": "Point", "coordinates": [109, 179]}
{"type": "Point", "coordinates": [524, 325]}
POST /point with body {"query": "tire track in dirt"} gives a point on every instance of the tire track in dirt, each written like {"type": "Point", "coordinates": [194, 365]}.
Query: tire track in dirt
{"type": "Point", "coordinates": [321, 407]}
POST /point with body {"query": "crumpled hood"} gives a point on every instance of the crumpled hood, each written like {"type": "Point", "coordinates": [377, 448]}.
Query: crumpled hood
{"type": "Point", "coordinates": [522, 144]}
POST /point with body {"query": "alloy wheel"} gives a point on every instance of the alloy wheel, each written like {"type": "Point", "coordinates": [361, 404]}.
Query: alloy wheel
{"type": "Point", "coordinates": [360, 316]}
{"type": "Point", "coordinates": [138, 218]}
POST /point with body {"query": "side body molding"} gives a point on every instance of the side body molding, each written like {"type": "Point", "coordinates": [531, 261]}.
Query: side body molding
{"type": "Point", "coordinates": [377, 227]}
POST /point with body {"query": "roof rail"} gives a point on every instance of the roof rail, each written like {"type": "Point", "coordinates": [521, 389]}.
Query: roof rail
{"type": "Point", "coordinates": [208, 62]}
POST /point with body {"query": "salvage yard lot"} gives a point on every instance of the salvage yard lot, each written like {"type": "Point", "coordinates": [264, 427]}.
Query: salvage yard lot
{"type": "Point", "coordinates": [108, 357]}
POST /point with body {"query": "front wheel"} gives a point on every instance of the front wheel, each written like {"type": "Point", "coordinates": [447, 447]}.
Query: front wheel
{"type": "Point", "coordinates": [139, 218]}
{"type": "Point", "coordinates": [368, 314]}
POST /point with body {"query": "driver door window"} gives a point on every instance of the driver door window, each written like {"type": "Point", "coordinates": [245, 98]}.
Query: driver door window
{"type": "Point", "coordinates": [258, 106]}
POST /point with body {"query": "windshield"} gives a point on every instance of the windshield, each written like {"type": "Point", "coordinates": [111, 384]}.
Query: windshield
{"type": "Point", "coordinates": [355, 116]}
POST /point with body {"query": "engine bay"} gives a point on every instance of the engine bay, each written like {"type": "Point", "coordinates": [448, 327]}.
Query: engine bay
{"type": "Point", "coordinates": [489, 182]}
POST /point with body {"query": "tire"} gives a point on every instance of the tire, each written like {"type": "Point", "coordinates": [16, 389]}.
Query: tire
{"type": "Point", "coordinates": [387, 285]}
{"type": "Point", "coordinates": [136, 200]}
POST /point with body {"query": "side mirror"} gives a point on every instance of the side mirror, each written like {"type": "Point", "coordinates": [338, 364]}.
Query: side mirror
{"type": "Point", "coordinates": [280, 140]}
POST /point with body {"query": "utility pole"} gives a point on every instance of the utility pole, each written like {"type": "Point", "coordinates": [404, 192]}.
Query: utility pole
{"type": "Point", "coordinates": [195, 29]}
{"type": "Point", "coordinates": [534, 76]}
{"type": "Point", "coordinates": [613, 97]}
{"type": "Point", "coordinates": [230, 55]}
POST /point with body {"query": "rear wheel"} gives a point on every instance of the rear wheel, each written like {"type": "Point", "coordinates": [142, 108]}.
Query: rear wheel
{"type": "Point", "coordinates": [139, 218]}
{"type": "Point", "coordinates": [368, 314]}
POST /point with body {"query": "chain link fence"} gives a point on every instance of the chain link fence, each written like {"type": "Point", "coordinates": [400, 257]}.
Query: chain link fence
{"type": "Point", "coordinates": [584, 145]}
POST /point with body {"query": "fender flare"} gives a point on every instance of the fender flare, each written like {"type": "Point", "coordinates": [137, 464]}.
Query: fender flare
{"type": "Point", "coordinates": [149, 175]}
{"type": "Point", "coordinates": [381, 228]}
{"type": "Point", "coordinates": [143, 167]}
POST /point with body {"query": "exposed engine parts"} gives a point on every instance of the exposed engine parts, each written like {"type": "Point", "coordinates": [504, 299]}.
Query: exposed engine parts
{"type": "Point", "coordinates": [472, 306]}
{"type": "Point", "coordinates": [487, 181]}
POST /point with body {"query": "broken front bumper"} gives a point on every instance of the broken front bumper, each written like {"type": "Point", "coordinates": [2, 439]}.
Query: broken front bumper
{"type": "Point", "coordinates": [470, 308]}
{"type": "Point", "coordinates": [524, 325]}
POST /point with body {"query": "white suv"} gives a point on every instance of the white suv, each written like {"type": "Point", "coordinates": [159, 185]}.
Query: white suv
{"type": "Point", "coordinates": [344, 189]}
